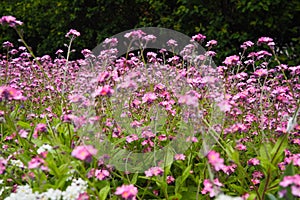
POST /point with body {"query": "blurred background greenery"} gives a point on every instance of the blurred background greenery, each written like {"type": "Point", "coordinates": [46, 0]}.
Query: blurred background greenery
{"type": "Point", "coordinates": [230, 22]}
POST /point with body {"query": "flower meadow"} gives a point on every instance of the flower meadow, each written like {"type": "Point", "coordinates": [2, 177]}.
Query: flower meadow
{"type": "Point", "coordinates": [55, 118]}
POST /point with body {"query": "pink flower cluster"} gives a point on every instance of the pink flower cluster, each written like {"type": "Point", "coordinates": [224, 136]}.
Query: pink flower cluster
{"type": "Point", "coordinates": [294, 182]}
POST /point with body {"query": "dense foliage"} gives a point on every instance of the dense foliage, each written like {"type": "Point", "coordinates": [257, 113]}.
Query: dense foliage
{"type": "Point", "coordinates": [230, 22]}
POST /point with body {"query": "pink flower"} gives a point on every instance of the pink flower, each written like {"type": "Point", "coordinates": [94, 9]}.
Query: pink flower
{"type": "Point", "coordinates": [179, 157]}
{"type": "Point", "coordinates": [247, 44]}
{"type": "Point", "coordinates": [127, 192]}
{"type": "Point", "coordinates": [172, 43]}
{"type": "Point", "coordinates": [40, 128]}
{"type": "Point", "coordinates": [72, 33]}
{"type": "Point", "coordinates": [296, 190]}
{"type": "Point", "coordinates": [103, 91]}
{"type": "Point", "coordinates": [215, 160]}
{"type": "Point", "coordinates": [35, 163]}
{"type": "Point", "coordinates": [170, 179]}
{"type": "Point", "coordinates": [3, 163]}
{"type": "Point", "coordinates": [134, 35]}
{"type": "Point", "coordinates": [232, 60]}
{"type": "Point", "coordinates": [211, 43]}
{"type": "Point", "coordinates": [84, 152]}
{"type": "Point", "coordinates": [101, 174]}
{"type": "Point", "coordinates": [7, 45]}
{"type": "Point", "coordinates": [149, 97]}
{"type": "Point", "coordinates": [241, 147]}
{"type": "Point", "coordinates": [199, 38]}
{"type": "Point", "coordinates": [10, 20]}
{"type": "Point", "coordinates": [83, 196]}
{"type": "Point", "coordinates": [154, 171]}
{"type": "Point", "coordinates": [10, 93]}
{"type": "Point", "coordinates": [209, 187]}
{"type": "Point", "coordinates": [261, 72]}
{"type": "Point", "coordinates": [265, 40]}
{"type": "Point", "coordinates": [253, 161]}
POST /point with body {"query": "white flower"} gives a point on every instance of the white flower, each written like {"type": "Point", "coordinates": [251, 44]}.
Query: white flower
{"type": "Point", "coordinates": [17, 163]}
{"type": "Point", "coordinates": [45, 147]}
{"type": "Point", "coordinates": [225, 197]}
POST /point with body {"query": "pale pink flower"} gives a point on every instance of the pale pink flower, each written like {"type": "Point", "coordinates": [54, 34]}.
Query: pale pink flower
{"type": "Point", "coordinates": [232, 60]}
{"type": "Point", "coordinates": [215, 160]}
{"type": "Point", "coordinates": [72, 33]}
{"type": "Point", "coordinates": [253, 161]}
{"type": "Point", "coordinates": [10, 20]}
{"type": "Point", "coordinates": [172, 43]}
{"type": "Point", "coordinates": [170, 179]}
{"type": "Point", "coordinates": [154, 171]}
{"type": "Point", "coordinates": [40, 128]}
{"type": "Point", "coordinates": [127, 192]}
{"type": "Point", "coordinates": [179, 157]}
{"type": "Point", "coordinates": [84, 152]}
{"type": "Point", "coordinates": [101, 174]}
{"type": "Point", "coordinates": [103, 91]}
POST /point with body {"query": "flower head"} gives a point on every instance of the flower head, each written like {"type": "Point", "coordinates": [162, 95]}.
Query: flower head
{"type": "Point", "coordinates": [72, 33]}
{"type": "Point", "coordinates": [10, 20]}
{"type": "Point", "coordinates": [127, 192]}
{"type": "Point", "coordinates": [232, 60]}
{"type": "Point", "coordinates": [215, 160]}
{"type": "Point", "coordinates": [84, 152]}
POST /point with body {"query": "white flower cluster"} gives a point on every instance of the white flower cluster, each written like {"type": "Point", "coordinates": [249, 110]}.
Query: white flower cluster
{"type": "Point", "coordinates": [45, 147]}
{"type": "Point", "coordinates": [75, 189]}
{"type": "Point", "coordinates": [225, 197]}
{"type": "Point", "coordinates": [72, 192]}
{"type": "Point", "coordinates": [23, 193]}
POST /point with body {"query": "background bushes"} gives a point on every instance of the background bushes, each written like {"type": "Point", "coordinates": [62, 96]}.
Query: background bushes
{"type": "Point", "coordinates": [230, 22]}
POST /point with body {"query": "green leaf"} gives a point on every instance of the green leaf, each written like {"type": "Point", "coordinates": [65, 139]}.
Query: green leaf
{"type": "Point", "coordinates": [104, 192]}
{"type": "Point", "coordinates": [270, 197]}
{"type": "Point", "coordinates": [24, 124]}
{"type": "Point", "coordinates": [134, 178]}
{"type": "Point", "coordinates": [278, 149]}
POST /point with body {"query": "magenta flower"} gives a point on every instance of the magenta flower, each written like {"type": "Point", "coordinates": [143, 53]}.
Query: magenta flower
{"type": "Point", "coordinates": [154, 171]}
{"type": "Point", "coordinates": [84, 152]}
{"type": "Point", "coordinates": [10, 20]}
{"type": "Point", "coordinates": [215, 160]}
{"type": "Point", "coordinates": [72, 33]}
{"type": "Point", "coordinates": [199, 38]}
{"type": "Point", "coordinates": [232, 60]}
{"type": "Point", "coordinates": [127, 192]}
{"type": "Point", "coordinates": [7, 45]}
{"type": "Point", "coordinates": [3, 163]}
